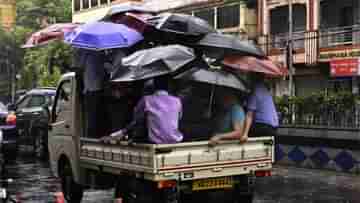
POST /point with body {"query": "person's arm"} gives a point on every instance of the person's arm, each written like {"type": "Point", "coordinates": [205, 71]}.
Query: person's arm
{"type": "Point", "coordinates": [139, 113]}
{"type": "Point", "coordinates": [237, 117]}
{"type": "Point", "coordinates": [248, 122]}
{"type": "Point", "coordinates": [235, 134]}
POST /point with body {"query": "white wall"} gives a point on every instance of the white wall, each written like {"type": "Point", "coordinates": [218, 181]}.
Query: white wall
{"type": "Point", "coordinates": [170, 4]}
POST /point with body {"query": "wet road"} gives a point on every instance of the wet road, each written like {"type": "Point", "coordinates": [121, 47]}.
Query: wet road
{"type": "Point", "coordinates": [34, 183]}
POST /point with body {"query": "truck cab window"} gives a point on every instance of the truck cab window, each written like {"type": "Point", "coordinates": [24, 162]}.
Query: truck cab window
{"type": "Point", "coordinates": [63, 103]}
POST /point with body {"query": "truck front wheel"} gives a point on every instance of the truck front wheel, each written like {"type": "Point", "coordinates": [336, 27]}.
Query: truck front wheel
{"type": "Point", "coordinates": [72, 191]}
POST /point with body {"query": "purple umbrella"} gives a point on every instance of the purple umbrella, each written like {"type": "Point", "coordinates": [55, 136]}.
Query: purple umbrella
{"type": "Point", "coordinates": [103, 35]}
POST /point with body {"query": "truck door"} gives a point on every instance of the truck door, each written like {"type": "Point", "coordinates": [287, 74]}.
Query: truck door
{"type": "Point", "coordinates": [62, 141]}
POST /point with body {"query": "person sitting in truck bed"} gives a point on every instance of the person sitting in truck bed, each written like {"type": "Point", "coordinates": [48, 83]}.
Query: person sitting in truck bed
{"type": "Point", "coordinates": [261, 117]}
{"type": "Point", "coordinates": [160, 112]}
{"type": "Point", "coordinates": [231, 119]}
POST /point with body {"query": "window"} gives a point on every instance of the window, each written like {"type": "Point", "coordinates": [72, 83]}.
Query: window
{"type": "Point", "coordinates": [36, 101]}
{"type": "Point", "coordinates": [85, 4]}
{"type": "Point", "coordinates": [63, 103]}
{"type": "Point", "coordinates": [103, 2]}
{"type": "Point", "coordinates": [207, 15]}
{"type": "Point", "coordinates": [228, 16]}
{"type": "Point", "coordinates": [76, 5]}
{"type": "Point", "coordinates": [94, 3]}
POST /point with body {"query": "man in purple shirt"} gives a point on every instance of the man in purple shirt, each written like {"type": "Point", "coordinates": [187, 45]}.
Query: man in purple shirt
{"type": "Point", "coordinates": [160, 112]}
{"type": "Point", "coordinates": [261, 117]}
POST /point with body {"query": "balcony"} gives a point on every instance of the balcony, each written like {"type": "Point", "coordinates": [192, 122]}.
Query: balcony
{"type": "Point", "coordinates": [339, 36]}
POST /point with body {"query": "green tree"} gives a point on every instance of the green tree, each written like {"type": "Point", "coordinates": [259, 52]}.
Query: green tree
{"type": "Point", "coordinates": [31, 15]}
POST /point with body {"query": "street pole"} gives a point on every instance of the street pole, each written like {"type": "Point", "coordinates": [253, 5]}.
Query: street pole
{"type": "Point", "coordinates": [14, 68]}
{"type": "Point", "coordinates": [13, 84]}
{"type": "Point", "coordinates": [290, 50]}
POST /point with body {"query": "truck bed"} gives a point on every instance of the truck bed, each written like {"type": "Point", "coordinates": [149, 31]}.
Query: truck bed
{"type": "Point", "coordinates": [183, 161]}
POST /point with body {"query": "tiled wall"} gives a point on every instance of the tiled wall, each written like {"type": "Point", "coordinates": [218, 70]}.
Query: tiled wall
{"type": "Point", "coordinates": [321, 148]}
{"type": "Point", "coordinates": [318, 157]}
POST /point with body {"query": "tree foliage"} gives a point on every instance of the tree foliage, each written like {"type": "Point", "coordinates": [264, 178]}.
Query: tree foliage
{"type": "Point", "coordinates": [31, 16]}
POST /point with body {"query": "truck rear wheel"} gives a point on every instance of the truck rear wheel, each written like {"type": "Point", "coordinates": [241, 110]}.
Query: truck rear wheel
{"type": "Point", "coordinates": [169, 195]}
{"type": "Point", "coordinates": [72, 191]}
{"type": "Point", "coordinates": [243, 191]}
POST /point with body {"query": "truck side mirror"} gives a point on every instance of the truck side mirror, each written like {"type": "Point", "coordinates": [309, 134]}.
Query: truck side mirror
{"type": "Point", "coordinates": [12, 107]}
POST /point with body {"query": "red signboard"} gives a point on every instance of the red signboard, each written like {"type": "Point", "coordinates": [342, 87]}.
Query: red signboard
{"type": "Point", "coordinates": [344, 67]}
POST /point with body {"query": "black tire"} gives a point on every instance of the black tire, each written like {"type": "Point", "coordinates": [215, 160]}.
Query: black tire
{"type": "Point", "coordinates": [243, 191]}
{"type": "Point", "coordinates": [73, 192]}
{"type": "Point", "coordinates": [170, 195]}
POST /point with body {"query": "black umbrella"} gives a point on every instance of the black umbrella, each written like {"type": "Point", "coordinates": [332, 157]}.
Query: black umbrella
{"type": "Point", "coordinates": [127, 7]}
{"type": "Point", "coordinates": [217, 45]}
{"type": "Point", "coordinates": [150, 63]}
{"type": "Point", "coordinates": [215, 77]}
{"type": "Point", "coordinates": [181, 24]}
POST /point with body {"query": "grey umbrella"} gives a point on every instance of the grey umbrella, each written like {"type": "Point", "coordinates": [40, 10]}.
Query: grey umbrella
{"type": "Point", "coordinates": [217, 45]}
{"type": "Point", "coordinates": [215, 77]}
{"type": "Point", "coordinates": [181, 24]}
{"type": "Point", "coordinates": [153, 62]}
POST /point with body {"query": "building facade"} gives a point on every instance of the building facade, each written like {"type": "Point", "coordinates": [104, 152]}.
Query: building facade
{"type": "Point", "coordinates": [232, 17]}
{"type": "Point", "coordinates": [326, 42]}
{"type": "Point", "coordinates": [7, 13]}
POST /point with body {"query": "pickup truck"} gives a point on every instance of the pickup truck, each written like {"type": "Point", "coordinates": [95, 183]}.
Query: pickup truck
{"type": "Point", "coordinates": [148, 172]}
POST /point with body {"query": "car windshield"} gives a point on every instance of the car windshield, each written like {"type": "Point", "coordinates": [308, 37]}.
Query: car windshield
{"type": "Point", "coordinates": [2, 107]}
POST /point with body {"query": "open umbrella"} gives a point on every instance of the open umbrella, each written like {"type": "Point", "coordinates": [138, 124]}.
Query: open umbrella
{"type": "Point", "coordinates": [103, 35]}
{"type": "Point", "coordinates": [153, 62]}
{"type": "Point", "coordinates": [252, 64]}
{"type": "Point", "coordinates": [218, 45]}
{"type": "Point", "coordinates": [181, 24]}
{"type": "Point", "coordinates": [132, 7]}
{"type": "Point", "coordinates": [49, 34]}
{"type": "Point", "coordinates": [216, 77]}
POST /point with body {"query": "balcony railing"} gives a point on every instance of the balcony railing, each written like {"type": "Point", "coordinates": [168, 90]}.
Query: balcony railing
{"type": "Point", "coordinates": [336, 36]}
{"type": "Point", "coordinates": [279, 41]}
{"type": "Point", "coordinates": [322, 116]}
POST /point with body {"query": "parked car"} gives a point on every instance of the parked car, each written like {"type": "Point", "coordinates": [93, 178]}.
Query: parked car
{"type": "Point", "coordinates": [33, 113]}
{"type": "Point", "coordinates": [9, 131]}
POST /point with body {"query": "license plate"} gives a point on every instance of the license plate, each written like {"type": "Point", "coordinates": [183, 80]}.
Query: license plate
{"type": "Point", "coordinates": [213, 183]}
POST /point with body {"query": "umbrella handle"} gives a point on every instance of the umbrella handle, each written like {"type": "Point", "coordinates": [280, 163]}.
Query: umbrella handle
{"type": "Point", "coordinates": [211, 101]}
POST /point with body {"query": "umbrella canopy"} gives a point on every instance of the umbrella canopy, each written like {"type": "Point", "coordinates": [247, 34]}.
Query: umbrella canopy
{"type": "Point", "coordinates": [252, 64]}
{"type": "Point", "coordinates": [217, 45]}
{"type": "Point", "coordinates": [103, 35]}
{"type": "Point", "coordinates": [153, 62]}
{"type": "Point", "coordinates": [215, 77]}
{"type": "Point", "coordinates": [123, 8]}
{"type": "Point", "coordinates": [181, 24]}
{"type": "Point", "coordinates": [49, 34]}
